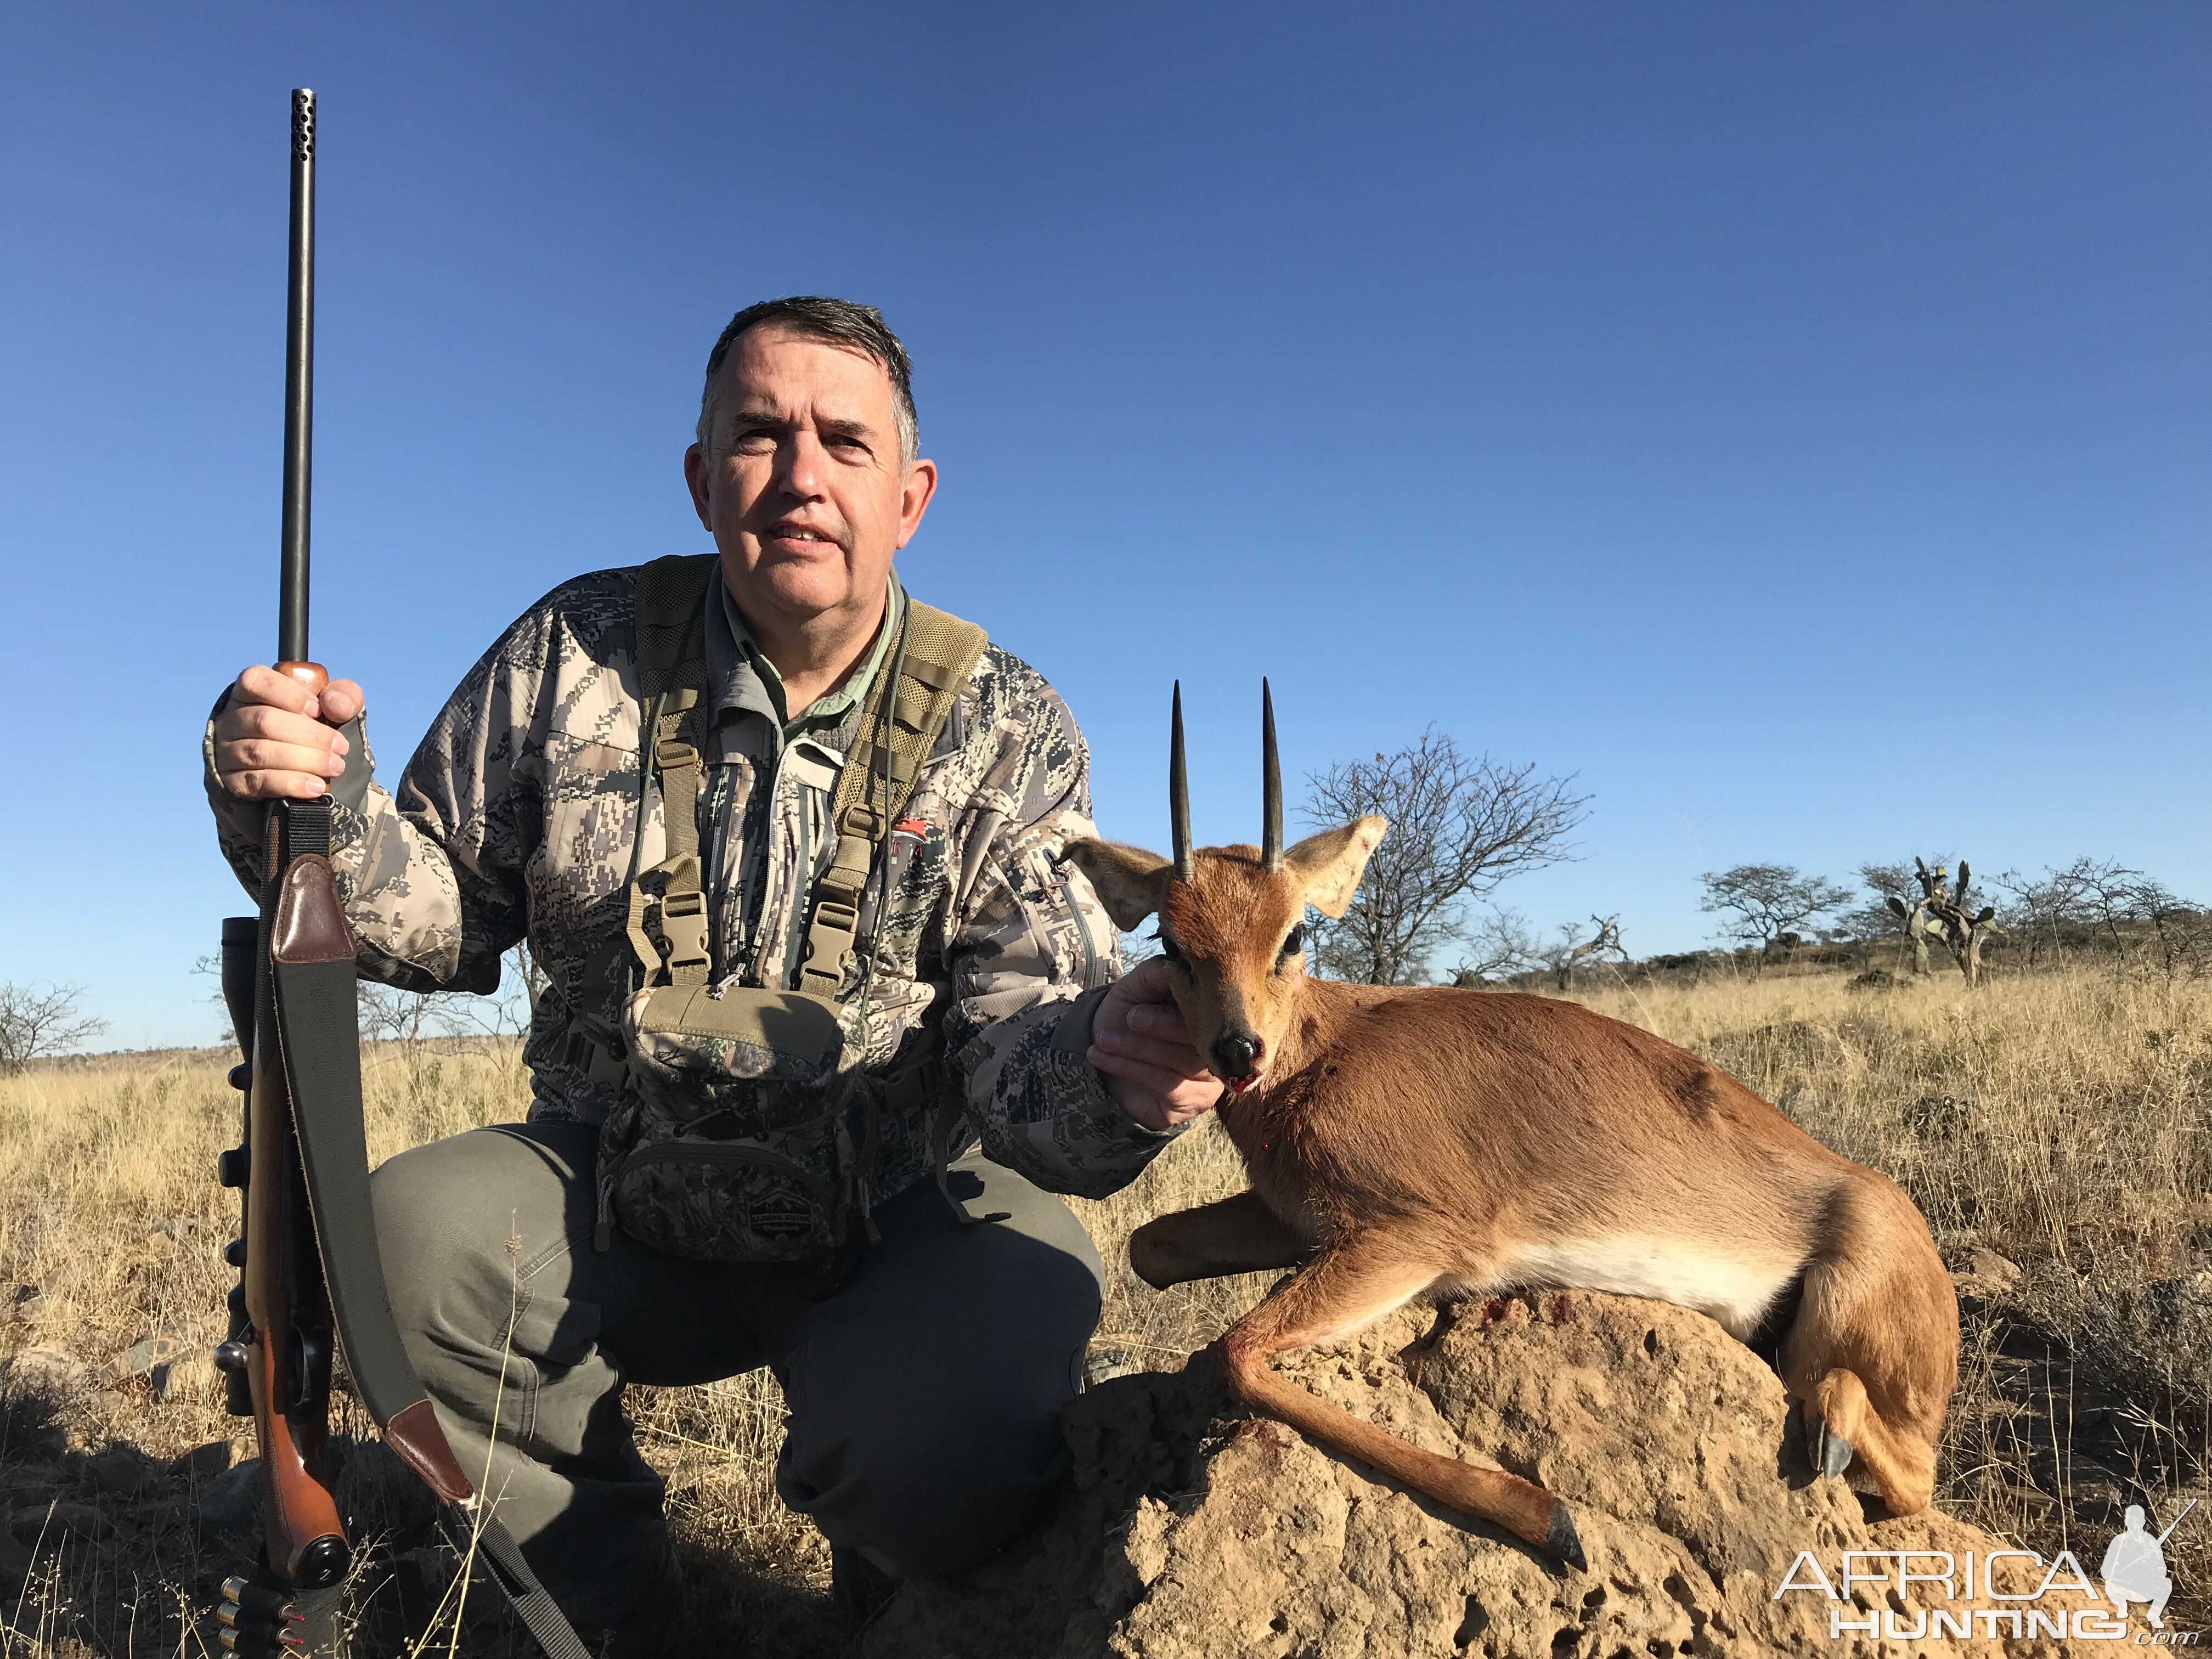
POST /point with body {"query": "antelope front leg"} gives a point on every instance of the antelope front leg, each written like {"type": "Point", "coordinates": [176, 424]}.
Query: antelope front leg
{"type": "Point", "coordinates": [1350, 1285]}
{"type": "Point", "coordinates": [1237, 1235]}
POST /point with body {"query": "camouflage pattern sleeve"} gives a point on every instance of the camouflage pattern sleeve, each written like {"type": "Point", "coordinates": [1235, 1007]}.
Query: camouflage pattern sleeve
{"type": "Point", "coordinates": [433, 874]}
{"type": "Point", "coordinates": [240, 826]}
{"type": "Point", "coordinates": [1031, 953]}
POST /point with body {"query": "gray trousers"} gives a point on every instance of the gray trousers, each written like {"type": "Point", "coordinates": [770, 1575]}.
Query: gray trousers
{"type": "Point", "coordinates": [924, 1391]}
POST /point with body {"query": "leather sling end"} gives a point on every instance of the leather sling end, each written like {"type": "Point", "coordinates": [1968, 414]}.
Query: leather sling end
{"type": "Point", "coordinates": [415, 1436]}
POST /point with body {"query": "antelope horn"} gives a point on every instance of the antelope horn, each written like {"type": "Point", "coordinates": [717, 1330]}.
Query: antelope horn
{"type": "Point", "coordinates": [1179, 795]}
{"type": "Point", "coordinates": [1270, 784]}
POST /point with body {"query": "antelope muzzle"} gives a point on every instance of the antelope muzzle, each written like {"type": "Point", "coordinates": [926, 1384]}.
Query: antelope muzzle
{"type": "Point", "coordinates": [1237, 1059]}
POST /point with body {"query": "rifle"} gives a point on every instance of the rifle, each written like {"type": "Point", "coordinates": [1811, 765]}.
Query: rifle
{"type": "Point", "coordinates": [312, 1280]}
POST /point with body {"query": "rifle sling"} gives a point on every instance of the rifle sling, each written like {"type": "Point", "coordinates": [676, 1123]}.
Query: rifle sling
{"type": "Point", "coordinates": [502, 1558]}
{"type": "Point", "coordinates": [311, 953]}
{"type": "Point", "coordinates": [311, 950]}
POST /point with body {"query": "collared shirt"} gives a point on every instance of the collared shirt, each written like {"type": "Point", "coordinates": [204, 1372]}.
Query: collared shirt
{"type": "Point", "coordinates": [736, 644]}
{"type": "Point", "coordinates": [764, 812]}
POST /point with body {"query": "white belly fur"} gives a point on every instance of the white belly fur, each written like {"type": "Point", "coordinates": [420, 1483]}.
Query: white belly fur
{"type": "Point", "coordinates": [1734, 1290]}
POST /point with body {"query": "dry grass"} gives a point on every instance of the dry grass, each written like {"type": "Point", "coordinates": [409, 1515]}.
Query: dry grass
{"type": "Point", "coordinates": [2082, 1150]}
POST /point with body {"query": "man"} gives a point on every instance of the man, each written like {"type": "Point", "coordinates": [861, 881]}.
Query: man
{"type": "Point", "coordinates": [925, 1369]}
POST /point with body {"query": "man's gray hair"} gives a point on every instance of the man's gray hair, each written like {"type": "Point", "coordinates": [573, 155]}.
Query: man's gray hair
{"type": "Point", "coordinates": [834, 322]}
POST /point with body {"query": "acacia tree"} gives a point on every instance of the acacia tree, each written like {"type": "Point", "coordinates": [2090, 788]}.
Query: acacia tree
{"type": "Point", "coordinates": [2100, 902]}
{"type": "Point", "coordinates": [34, 1024]}
{"type": "Point", "coordinates": [1458, 826]}
{"type": "Point", "coordinates": [1572, 950]}
{"type": "Point", "coordinates": [1758, 902]}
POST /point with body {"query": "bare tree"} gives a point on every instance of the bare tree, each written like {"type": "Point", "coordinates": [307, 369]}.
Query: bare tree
{"type": "Point", "coordinates": [506, 1012]}
{"type": "Point", "coordinates": [1759, 903]}
{"type": "Point", "coordinates": [389, 1014]}
{"type": "Point", "coordinates": [2103, 904]}
{"type": "Point", "coordinates": [1499, 946]}
{"type": "Point", "coordinates": [34, 1024]}
{"type": "Point", "coordinates": [1458, 826]}
{"type": "Point", "coordinates": [1572, 951]}
{"type": "Point", "coordinates": [1135, 943]}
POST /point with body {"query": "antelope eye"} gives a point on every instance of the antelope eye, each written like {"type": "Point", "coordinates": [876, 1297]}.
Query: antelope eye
{"type": "Point", "coordinates": [1295, 941]}
{"type": "Point", "coordinates": [1168, 948]}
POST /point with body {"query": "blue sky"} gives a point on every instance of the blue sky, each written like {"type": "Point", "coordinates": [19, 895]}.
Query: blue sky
{"type": "Point", "coordinates": [1793, 420]}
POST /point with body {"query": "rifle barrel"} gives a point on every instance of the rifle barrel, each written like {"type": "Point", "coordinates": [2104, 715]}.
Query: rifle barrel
{"type": "Point", "coordinates": [299, 386]}
{"type": "Point", "coordinates": [2178, 1520]}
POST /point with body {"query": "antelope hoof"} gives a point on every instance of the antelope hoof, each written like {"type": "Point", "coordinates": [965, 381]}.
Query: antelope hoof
{"type": "Point", "coordinates": [1832, 1453]}
{"type": "Point", "coordinates": [1561, 1540]}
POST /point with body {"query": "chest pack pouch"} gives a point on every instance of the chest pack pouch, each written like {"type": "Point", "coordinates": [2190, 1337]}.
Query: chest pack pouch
{"type": "Point", "coordinates": [748, 1119]}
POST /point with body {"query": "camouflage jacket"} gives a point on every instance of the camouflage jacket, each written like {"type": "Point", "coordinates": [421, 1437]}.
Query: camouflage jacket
{"type": "Point", "coordinates": [519, 817]}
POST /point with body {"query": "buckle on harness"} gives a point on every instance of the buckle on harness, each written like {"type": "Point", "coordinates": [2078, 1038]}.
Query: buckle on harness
{"type": "Point", "coordinates": [683, 925]}
{"type": "Point", "coordinates": [601, 1064]}
{"type": "Point", "coordinates": [829, 941]}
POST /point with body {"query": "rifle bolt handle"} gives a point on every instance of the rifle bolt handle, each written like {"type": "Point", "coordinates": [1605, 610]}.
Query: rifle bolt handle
{"type": "Point", "coordinates": [230, 1168]}
{"type": "Point", "coordinates": [230, 1357]}
{"type": "Point", "coordinates": [241, 1077]}
{"type": "Point", "coordinates": [234, 1253]}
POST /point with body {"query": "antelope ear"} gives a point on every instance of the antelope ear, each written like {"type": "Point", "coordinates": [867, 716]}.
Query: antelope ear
{"type": "Point", "coordinates": [1331, 863]}
{"type": "Point", "coordinates": [1130, 881]}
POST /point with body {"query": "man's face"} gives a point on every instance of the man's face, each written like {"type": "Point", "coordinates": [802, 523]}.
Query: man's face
{"type": "Point", "coordinates": [801, 483]}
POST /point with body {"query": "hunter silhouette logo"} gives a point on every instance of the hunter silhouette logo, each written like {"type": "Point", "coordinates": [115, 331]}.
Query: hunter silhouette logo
{"type": "Point", "coordinates": [2133, 1568]}
{"type": "Point", "coordinates": [1925, 1590]}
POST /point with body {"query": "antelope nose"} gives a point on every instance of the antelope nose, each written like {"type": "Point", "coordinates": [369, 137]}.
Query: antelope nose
{"type": "Point", "coordinates": [1236, 1057]}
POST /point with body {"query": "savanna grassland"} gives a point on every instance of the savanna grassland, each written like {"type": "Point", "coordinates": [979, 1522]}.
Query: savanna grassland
{"type": "Point", "coordinates": [2055, 1129]}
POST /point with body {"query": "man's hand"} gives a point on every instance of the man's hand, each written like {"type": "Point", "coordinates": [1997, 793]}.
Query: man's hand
{"type": "Point", "coordinates": [1140, 1045]}
{"type": "Point", "coordinates": [277, 740]}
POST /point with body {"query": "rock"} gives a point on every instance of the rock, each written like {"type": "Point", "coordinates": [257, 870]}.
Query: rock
{"type": "Point", "coordinates": [154, 1349]}
{"type": "Point", "coordinates": [15, 1564]}
{"type": "Point", "coordinates": [192, 1377]}
{"type": "Point", "coordinates": [30, 1445]}
{"type": "Point", "coordinates": [1195, 1531]}
{"type": "Point", "coordinates": [49, 1521]}
{"type": "Point", "coordinates": [40, 1371]}
{"type": "Point", "coordinates": [1982, 1277]}
{"type": "Point", "coordinates": [203, 1463]}
{"type": "Point", "coordinates": [122, 1471]}
{"type": "Point", "coordinates": [232, 1501]}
